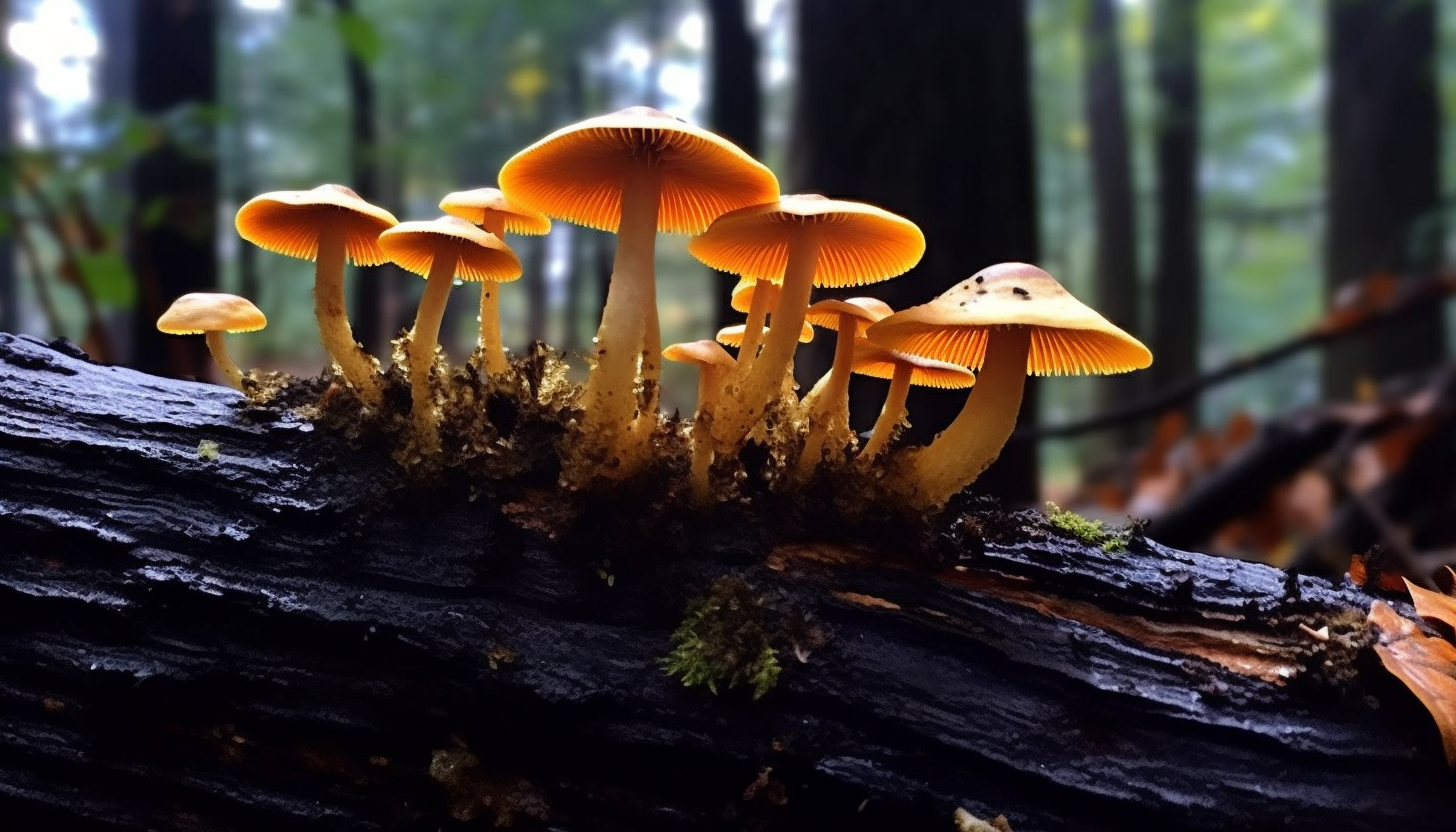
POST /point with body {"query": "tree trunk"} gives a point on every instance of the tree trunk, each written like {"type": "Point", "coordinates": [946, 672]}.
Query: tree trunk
{"type": "Point", "coordinates": [1177, 272]}
{"type": "Point", "coordinates": [174, 65]}
{"type": "Point", "coordinates": [1384, 175]}
{"type": "Point", "coordinates": [291, 636]}
{"type": "Point", "coordinates": [737, 110]}
{"type": "Point", "coordinates": [9, 285]}
{"type": "Point", "coordinates": [367, 286]}
{"type": "Point", "coordinates": [1115, 266]}
{"type": "Point", "coordinates": [925, 113]}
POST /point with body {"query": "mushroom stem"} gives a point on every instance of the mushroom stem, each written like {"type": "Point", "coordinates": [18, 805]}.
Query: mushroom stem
{"type": "Point", "coordinates": [608, 399]}
{"type": "Point", "coordinates": [710, 380]}
{"type": "Point", "coordinates": [890, 414]}
{"type": "Point", "coordinates": [766, 379]}
{"type": "Point", "coordinates": [753, 327]}
{"type": "Point", "coordinates": [424, 341]}
{"type": "Point", "coordinates": [973, 441]}
{"type": "Point", "coordinates": [490, 334]}
{"type": "Point", "coordinates": [828, 403]}
{"type": "Point", "coordinates": [219, 352]}
{"type": "Point", "coordinates": [358, 367]}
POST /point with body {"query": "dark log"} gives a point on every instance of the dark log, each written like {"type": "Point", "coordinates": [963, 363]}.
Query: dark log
{"type": "Point", "coordinates": [293, 637]}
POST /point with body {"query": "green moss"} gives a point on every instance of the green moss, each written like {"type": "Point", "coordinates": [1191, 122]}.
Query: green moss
{"type": "Point", "coordinates": [726, 640]}
{"type": "Point", "coordinates": [1091, 532]}
{"type": "Point", "coordinates": [207, 451]}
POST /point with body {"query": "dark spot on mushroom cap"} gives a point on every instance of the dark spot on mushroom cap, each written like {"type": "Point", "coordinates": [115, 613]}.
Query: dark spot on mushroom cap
{"type": "Point", "coordinates": [1020, 291]}
{"type": "Point", "coordinates": [980, 278]}
{"type": "Point", "coordinates": [981, 291]}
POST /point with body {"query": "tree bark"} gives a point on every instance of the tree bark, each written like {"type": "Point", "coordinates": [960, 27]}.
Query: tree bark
{"type": "Point", "coordinates": [1384, 175]}
{"type": "Point", "coordinates": [1177, 311]}
{"type": "Point", "coordinates": [926, 114]}
{"type": "Point", "coordinates": [1115, 266]}
{"type": "Point", "coordinates": [290, 636]}
{"type": "Point", "coordinates": [737, 108]}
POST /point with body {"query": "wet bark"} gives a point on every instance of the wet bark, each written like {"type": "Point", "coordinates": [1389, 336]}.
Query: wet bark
{"type": "Point", "coordinates": [289, 637]}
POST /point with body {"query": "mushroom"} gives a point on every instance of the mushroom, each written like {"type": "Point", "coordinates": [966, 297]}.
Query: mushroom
{"type": "Point", "coordinates": [489, 209]}
{"type": "Point", "coordinates": [736, 335]}
{"type": "Point", "coordinates": [211, 314]}
{"type": "Point", "coordinates": [827, 404]}
{"type": "Point", "coordinates": [635, 172]}
{"type": "Point", "coordinates": [714, 363]}
{"type": "Point", "coordinates": [802, 241]}
{"type": "Point", "coordinates": [1009, 320]}
{"type": "Point", "coordinates": [903, 370]}
{"type": "Point", "coordinates": [442, 249]}
{"type": "Point", "coordinates": [328, 225]}
{"type": "Point", "coordinates": [756, 298]}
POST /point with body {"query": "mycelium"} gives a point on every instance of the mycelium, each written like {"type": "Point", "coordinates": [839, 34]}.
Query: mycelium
{"type": "Point", "coordinates": [634, 172]}
{"type": "Point", "coordinates": [329, 224]}
{"type": "Point", "coordinates": [441, 249]}
{"type": "Point", "coordinates": [489, 209]}
{"type": "Point", "coordinates": [212, 314]}
{"type": "Point", "coordinates": [1009, 320]}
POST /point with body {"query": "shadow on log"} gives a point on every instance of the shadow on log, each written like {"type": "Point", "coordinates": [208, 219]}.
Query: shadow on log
{"type": "Point", "coordinates": [283, 638]}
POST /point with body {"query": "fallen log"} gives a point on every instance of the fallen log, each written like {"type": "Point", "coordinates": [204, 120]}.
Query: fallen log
{"type": "Point", "coordinates": [216, 616]}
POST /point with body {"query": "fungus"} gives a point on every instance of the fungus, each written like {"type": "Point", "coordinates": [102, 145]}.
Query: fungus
{"type": "Point", "coordinates": [827, 404]}
{"type": "Point", "coordinates": [802, 241]}
{"type": "Point", "coordinates": [714, 363]}
{"type": "Point", "coordinates": [1009, 320]}
{"type": "Point", "coordinates": [441, 249]}
{"type": "Point", "coordinates": [736, 335]}
{"type": "Point", "coordinates": [489, 209]}
{"type": "Point", "coordinates": [211, 314]}
{"type": "Point", "coordinates": [634, 172]}
{"type": "Point", "coordinates": [756, 298]}
{"type": "Point", "coordinates": [903, 370]}
{"type": "Point", "coordinates": [328, 225]}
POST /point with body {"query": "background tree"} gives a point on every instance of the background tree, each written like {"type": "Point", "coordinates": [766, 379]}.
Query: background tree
{"type": "Point", "coordinates": [926, 114]}
{"type": "Point", "coordinates": [1384, 181]}
{"type": "Point", "coordinates": [733, 93]}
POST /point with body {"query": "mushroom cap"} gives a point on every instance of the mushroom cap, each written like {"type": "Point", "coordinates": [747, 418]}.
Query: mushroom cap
{"type": "Point", "coordinates": [742, 298]}
{"type": "Point", "coordinates": [871, 359]}
{"type": "Point", "coordinates": [199, 312]}
{"type": "Point", "coordinates": [858, 243]}
{"type": "Point", "coordinates": [576, 173]}
{"type": "Point", "coordinates": [703, 353]}
{"type": "Point", "coordinates": [288, 222]}
{"type": "Point", "coordinates": [826, 313]}
{"type": "Point", "coordinates": [1067, 336]}
{"type": "Point", "coordinates": [474, 205]}
{"type": "Point", "coordinates": [733, 335]}
{"type": "Point", "coordinates": [479, 254]}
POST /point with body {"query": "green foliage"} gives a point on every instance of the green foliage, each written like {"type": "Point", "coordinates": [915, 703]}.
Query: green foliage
{"type": "Point", "coordinates": [726, 640]}
{"type": "Point", "coordinates": [1091, 532]}
{"type": "Point", "coordinates": [359, 36]}
{"type": "Point", "coordinates": [108, 277]}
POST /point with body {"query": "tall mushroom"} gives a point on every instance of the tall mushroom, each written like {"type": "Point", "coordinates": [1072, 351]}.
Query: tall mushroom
{"type": "Point", "coordinates": [442, 250]}
{"type": "Point", "coordinates": [714, 363]}
{"type": "Point", "coordinates": [826, 407]}
{"type": "Point", "coordinates": [212, 314]}
{"type": "Point", "coordinates": [801, 241]}
{"type": "Point", "coordinates": [489, 209]}
{"type": "Point", "coordinates": [635, 172]}
{"type": "Point", "coordinates": [1009, 320]}
{"type": "Point", "coordinates": [329, 224]}
{"type": "Point", "coordinates": [903, 370]}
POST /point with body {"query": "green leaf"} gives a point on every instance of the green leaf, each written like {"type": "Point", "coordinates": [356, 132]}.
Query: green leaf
{"type": "Point", "coordinates": [108, 277]}
{"type": "Point", "coordinates": [153, 212]}
{"type": "Point", "coordinates": [359, 35]}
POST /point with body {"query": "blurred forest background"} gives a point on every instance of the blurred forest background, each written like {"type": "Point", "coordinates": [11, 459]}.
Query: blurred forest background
{"type": "Point", "coordinates": [1253, 187]}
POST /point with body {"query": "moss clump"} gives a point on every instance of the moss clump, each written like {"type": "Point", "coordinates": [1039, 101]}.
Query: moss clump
{"type": "Point", "coordinates": [727, 639]}
{"type": "Point", "coordinates": [207, 451]}
{"type": "Point", "coordinates": [1091, 532]}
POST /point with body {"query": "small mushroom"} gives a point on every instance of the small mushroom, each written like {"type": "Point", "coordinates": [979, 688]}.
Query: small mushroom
{"type": "Point", "coordinates": [826, 407]}
{"type": "Point", "coordinates": [714, 363]}
{"type": "Point", "coordinates": [756, 298]}
{"type": "Point", "coordinates": [328, 225]}
{"type": "Point", "coordinates": [903, 370]}
{"type": "Point", "coordinates": [1008, 320]}
{"type": "Point", "coordinates": [489, 209]}
{"type": "Point", "coordinates": [442, 250]}
{"type": "Point", "coordinates": [211, 314]}
{"type": "Point", "coordinates": [735, 335]}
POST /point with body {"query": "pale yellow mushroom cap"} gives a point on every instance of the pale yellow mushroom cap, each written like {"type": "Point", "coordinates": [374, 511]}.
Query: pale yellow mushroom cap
{"type": "Point", "coordinates": [289, 222]}
{"type": "Point", "coordinates": [1067, 336]}
{"type": "Point", "coordinates": [481, 255]}
{"type": "Point", "coordinates": [199, 312]}
{"type": "Point", "coordinates": [826, 313]}
{"type": "Point", "coordinates": [704, 353]}
{"type": "Point", "coordinates": [474, 205]}
{"type": "Point", "coordinates": [733, 335]}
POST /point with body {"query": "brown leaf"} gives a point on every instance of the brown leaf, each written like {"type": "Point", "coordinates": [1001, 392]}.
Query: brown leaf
{"type": "Point", "coordinates": [1433, 605]}
{"type": "Point", "coordinates": [1373, 572]}
{"type": "Point", "coordinates": [1424, 664]}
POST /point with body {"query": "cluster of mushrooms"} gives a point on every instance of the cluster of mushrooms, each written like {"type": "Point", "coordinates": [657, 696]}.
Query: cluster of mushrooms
{"type": "Point", "coordinates": [638, 172]}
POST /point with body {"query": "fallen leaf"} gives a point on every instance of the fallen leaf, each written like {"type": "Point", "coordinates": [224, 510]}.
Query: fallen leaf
{"type": "Point", "coordinates": [1424, 664]}
{"type": "Point", "coordinates": [1433, 605]}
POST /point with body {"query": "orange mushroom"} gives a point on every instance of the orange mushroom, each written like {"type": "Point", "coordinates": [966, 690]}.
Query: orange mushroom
{"type": "Point", "coordinates": [489, 209]}
{"type": "Point", "coordinates": [903, 370]}
{"type": "Point", "coordinates": [756, 298]}
{"type": "Point", "coordinates": [826, 407]}
{"type": "Point", "coordinates": [211, 314]}
{"type": "Point", "coordinates": [713, 365]}
{"type": "Point", "coordinates": [328, 225]}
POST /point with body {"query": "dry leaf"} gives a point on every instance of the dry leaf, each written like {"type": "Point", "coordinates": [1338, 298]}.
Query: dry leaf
{"type": "Point", "coordinates": [1375, 573]}
{"type": "Point", "coordinates": [1424, 664]}
{"type": "Point", "coordinates": [1433, 605]}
